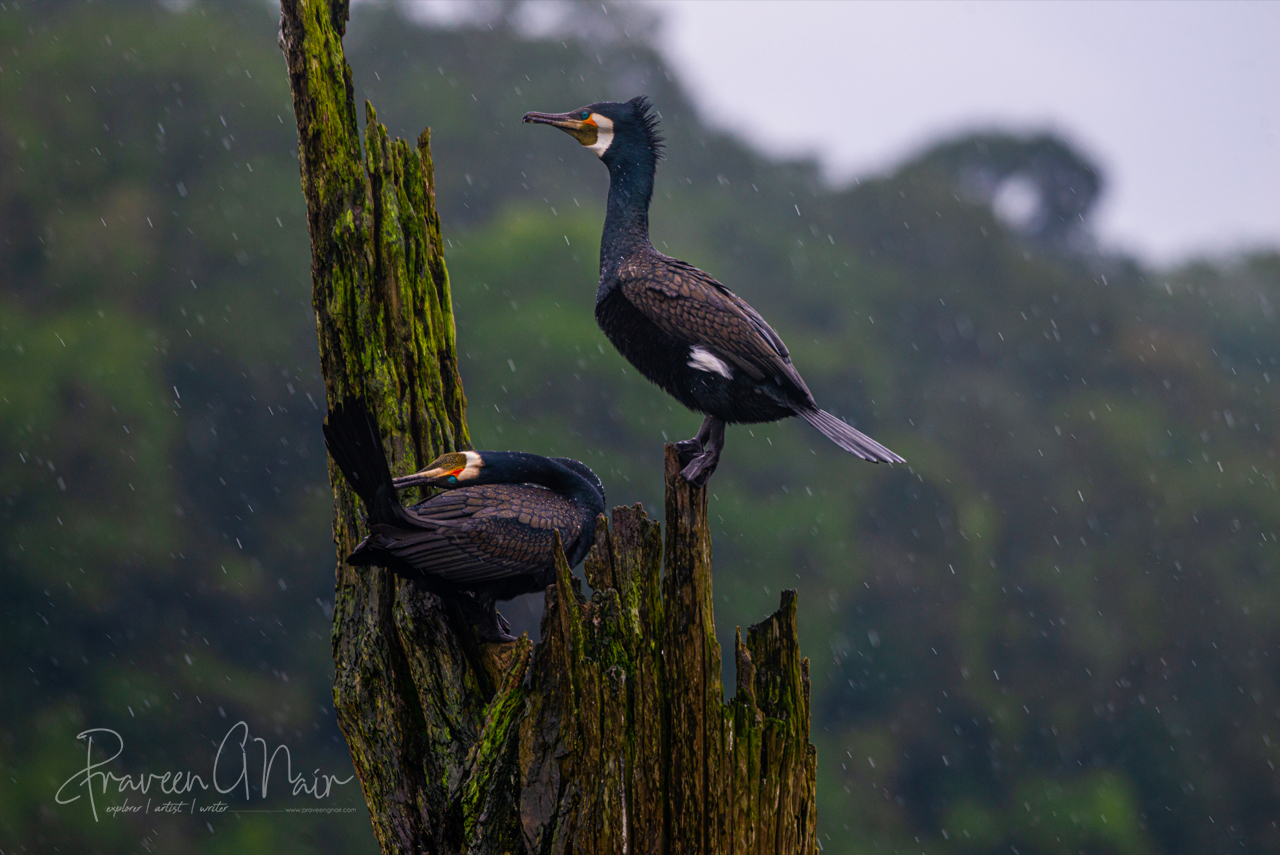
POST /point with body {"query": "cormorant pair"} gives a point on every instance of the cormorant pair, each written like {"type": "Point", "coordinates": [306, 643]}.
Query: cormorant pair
{"type": "Point", "coordinates": [488, 537]}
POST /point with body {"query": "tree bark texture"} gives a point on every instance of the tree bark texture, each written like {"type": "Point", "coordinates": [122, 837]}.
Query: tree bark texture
{"type": "Point", "coordinates": [611, 734]}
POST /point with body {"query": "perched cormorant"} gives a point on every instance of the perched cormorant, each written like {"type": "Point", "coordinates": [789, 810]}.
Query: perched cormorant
{"type": "Point", "coordinates": [679, 327]}
{"type": "Point", "coordinates": [488, 537]}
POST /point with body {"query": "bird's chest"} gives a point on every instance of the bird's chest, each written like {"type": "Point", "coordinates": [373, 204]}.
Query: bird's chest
{"type": "Point", "coordinates": [653, 352]}
{"type": "Point", "coordinates": [688, 372]}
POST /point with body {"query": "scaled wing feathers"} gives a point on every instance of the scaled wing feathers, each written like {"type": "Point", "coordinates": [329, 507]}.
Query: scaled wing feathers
{"type": "Point", "coordinates": [480, 534]}
{"type": "Point", "coordinates": [690, 306]}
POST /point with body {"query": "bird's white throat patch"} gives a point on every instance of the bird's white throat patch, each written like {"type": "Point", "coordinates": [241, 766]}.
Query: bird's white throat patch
{"type": "Point", "coordinates": [473, 466]}
{"type": "Point", "coordinates": [702, 359]}
{"type": "Point", "coordinates": [604, 134]}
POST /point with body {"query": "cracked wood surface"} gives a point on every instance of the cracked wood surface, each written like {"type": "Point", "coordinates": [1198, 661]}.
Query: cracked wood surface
{"type": "Point", "coordinates": [612, 733]}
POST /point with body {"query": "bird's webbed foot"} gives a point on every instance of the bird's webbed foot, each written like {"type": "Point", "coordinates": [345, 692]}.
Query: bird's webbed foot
{"type": "Point", "coordinates": [698, 470]}
{"type": "Point", "coordinates": [495, 630]}
{"type": "Point", "coordinates": [688, 449]}
{"type": "Point", "coordinates": [481, 614]}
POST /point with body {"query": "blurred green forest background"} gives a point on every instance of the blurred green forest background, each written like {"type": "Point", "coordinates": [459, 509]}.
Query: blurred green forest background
{"type": "Point", "coordinates": [1055, 630]}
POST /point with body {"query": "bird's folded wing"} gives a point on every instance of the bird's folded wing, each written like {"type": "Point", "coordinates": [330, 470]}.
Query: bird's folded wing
{"type": "Point", "coordinates": [467, 553]}
{"type": "Point", "coordinates": [480, 534]}
{"type": "Point", "coordinates": [689, 305]}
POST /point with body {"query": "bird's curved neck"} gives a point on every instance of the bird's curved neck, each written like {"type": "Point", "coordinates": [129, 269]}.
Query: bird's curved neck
{"type": "Point", "coordinates": [514, 467]}
{"type": "Point", "coordinates": [626, 221]}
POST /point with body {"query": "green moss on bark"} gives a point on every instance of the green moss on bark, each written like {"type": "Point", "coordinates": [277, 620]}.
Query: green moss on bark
{"type": "Point", "coordinates": [610, 735]}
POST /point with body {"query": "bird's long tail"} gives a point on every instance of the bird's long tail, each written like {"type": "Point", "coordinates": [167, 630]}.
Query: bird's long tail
{"type": "Point", "coordinates": [356, 446]}
{"type": "Point", "coordinates": [851, 440]}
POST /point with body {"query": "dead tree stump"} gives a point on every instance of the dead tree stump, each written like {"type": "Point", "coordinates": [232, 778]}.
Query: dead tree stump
{"type": "Point", "coordinates": [611, 734]}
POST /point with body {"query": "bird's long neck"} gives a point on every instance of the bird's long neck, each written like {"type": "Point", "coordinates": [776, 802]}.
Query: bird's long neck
{"type": "Point", "coordinates": [626, 221]}
{"type": "Point", "coordinates": [514, 467]}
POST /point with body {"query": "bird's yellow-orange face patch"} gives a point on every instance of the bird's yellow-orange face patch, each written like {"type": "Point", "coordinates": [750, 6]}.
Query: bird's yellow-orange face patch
{"type": "Point", "coordinates": [587, 131]}
{"type": "Point", "coordinates": [447, 464]}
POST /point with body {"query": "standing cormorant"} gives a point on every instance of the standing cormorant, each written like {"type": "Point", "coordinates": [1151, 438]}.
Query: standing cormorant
{"type": "Point", "coordinates": [679, 327]}
{"type": "Point", "coordinates": [488, 537]}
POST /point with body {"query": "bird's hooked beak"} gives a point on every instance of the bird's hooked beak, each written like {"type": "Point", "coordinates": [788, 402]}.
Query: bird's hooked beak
{"type": "Point", "coordinates": [448, 470]}
{"type": "Point", "coordinates": [584, 130]}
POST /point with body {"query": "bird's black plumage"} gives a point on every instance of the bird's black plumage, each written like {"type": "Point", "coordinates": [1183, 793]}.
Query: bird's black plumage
{"type": "Point", "coordinates": [678, 326]}
{"type": "Point", "coordinates": [488, 537]}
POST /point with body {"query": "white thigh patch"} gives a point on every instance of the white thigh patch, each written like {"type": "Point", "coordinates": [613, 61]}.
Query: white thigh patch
{"type": "Point", "coordinates": [704, 360]}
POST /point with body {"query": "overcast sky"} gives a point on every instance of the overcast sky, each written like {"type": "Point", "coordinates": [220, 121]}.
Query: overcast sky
{"type": "Point", "coordinates": [1179, 102]}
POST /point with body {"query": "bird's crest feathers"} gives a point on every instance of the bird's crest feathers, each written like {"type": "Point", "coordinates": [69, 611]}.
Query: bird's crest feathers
{"type": "Point", "coordinates": [648, 118]}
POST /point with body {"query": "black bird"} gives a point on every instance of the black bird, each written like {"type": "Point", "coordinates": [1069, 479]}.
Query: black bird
{"type": "Point", "coordinates": [679, 327]}
{"type": "Point", "coordinates": [488, 537]}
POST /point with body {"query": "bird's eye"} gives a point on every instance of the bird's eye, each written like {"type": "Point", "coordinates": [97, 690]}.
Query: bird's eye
{"type": "Point", "coordinates": [584, 114]}
{"type": "Point", "coordinates": [452, 479]}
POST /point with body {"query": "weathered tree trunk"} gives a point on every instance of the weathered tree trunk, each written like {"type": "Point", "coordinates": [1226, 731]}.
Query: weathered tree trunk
{"type": "Point", "coordinates": [612, 734]}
